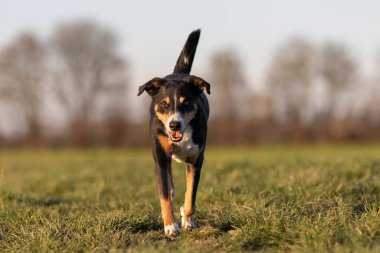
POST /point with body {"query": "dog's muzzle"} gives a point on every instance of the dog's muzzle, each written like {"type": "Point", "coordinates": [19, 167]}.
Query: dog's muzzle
{"type": "Point", "coordinates": [175, 134]}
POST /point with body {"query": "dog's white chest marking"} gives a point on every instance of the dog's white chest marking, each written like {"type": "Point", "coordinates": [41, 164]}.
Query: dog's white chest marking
{"type": "Point", "coordinates": [185, 150]}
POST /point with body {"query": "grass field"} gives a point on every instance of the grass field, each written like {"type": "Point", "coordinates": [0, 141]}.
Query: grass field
{"type": "Point", "coordinates": [270, 199]}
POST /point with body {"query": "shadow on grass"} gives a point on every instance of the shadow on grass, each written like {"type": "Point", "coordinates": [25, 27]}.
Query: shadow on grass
{"type": "Point", "coordinates": [224, 227]}
{"type": "Point", "coordinates": [258, 243]}
{"type": "Point", "coordinates": [47, 202]}
{"type": "Point", "coordinates": [137, 225]}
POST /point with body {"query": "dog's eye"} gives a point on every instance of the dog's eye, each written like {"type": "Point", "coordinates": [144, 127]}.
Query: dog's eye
{"type": "Point", "coordinates": [164, 104]}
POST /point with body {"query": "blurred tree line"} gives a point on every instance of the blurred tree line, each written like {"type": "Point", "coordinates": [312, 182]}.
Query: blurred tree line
{"type": "Point", "coordinates": [72, 90]}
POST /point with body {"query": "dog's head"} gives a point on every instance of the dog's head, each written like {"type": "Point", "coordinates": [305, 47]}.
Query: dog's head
{"type": "Point", "coordinates": [175, 101]}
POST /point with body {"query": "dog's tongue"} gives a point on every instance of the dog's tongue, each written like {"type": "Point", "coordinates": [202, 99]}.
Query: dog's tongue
{"type": "Point", "coordinates": [176, 134]}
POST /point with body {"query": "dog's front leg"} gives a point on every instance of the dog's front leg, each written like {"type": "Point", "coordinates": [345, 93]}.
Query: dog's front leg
{"type": "Point", "coordinates": [164, 184]}
{"type": "Point", "coordinates": [193, 173]}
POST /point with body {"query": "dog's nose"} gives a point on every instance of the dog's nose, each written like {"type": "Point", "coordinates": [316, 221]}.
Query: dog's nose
{"type": "Point", "coordinates": [175, 125]}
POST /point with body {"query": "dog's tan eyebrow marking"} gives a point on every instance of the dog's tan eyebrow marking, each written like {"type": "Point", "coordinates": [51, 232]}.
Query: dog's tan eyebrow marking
{"type": "Point", "coordinates": [181, 99]}
{"type": "Point", "coordinates": [161, 116]}
{"type": "Point", "coordinates": [167, 100]}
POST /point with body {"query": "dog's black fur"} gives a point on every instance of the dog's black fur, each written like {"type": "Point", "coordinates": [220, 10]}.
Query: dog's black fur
{"type": "Point", "coordinates": [178, 123]}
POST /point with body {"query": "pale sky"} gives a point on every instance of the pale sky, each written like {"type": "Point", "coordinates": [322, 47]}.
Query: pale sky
{"type": "Point", "coordinates": [152, 33]}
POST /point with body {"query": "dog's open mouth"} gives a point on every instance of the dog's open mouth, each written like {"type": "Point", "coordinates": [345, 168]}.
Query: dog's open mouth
{"type": "Point", "coordinates": [175, 136]}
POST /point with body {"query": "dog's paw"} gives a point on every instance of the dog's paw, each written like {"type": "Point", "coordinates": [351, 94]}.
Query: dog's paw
{"type": "Point", "coordinates": [172, 230]}
{"type": "Point", "coordinates": [187, 222]}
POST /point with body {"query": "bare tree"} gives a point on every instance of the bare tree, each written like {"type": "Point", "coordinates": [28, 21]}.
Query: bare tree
{"type": "Point", "coordinates": [22, 71]}
{"type": "Point", "coordinates": [88, 69]}
{"type": "Point", "coordinates": [290, 77]}
{"type": "Point", "coordinates": [338, 70]}
{"type": "Point", "coordinates": [228, 80]}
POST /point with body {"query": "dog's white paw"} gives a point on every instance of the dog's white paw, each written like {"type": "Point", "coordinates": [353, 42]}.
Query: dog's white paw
{"type": "Point", "coordinates": [171, 230]}
{"type": "Point", "coordinates": [187, 223]}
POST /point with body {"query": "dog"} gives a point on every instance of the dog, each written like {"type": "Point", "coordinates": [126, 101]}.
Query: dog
{"type": "Point", "coordinates": [179, 113]}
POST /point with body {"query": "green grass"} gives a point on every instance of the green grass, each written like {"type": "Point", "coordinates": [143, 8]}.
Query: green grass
{"type": "Point", "coordinates": [270, 199]}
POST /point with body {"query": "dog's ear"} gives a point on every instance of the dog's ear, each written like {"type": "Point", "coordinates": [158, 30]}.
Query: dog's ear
{"type": "Point", "coordinates": [198, 83]}
{"type": "Point", "coordinates": [152, 87]}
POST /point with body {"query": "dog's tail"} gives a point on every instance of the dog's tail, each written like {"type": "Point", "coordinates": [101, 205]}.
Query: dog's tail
{"type": "Point", "coordinates": [185, 59]}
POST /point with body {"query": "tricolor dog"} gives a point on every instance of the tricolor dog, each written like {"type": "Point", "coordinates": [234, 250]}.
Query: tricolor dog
{"type": "Point", "coordinates": [178, 125]}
